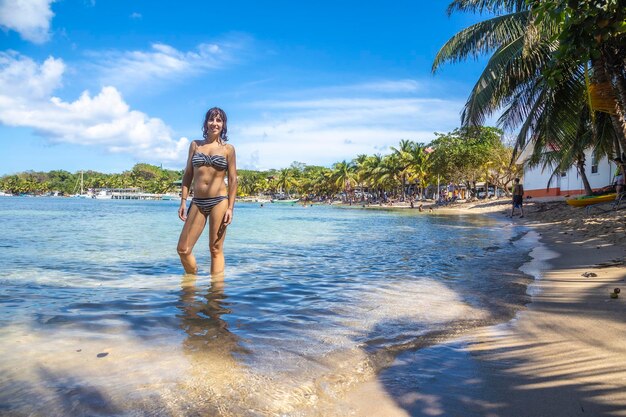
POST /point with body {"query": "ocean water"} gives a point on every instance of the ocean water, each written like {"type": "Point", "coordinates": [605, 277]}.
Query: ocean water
{"type": "Point", "coordinates": [97, 318]}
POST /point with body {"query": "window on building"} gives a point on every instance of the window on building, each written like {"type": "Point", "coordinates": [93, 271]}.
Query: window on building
{"type": "Point", "coordinates": [594, 163]}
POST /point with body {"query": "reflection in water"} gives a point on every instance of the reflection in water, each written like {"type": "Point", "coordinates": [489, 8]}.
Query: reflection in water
{"type": "Point", "coordinates": [311, 305]}
{"type": "Point", "coordinates": [201, 318]}
{"type": "Point", "coordinates": [214, 383]}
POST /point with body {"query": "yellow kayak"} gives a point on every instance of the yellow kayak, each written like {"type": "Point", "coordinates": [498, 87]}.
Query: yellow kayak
{"type": "Point", "coordinates": [586, 201]}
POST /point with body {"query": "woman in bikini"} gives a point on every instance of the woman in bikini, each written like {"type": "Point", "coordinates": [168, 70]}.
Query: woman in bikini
{"type": "Point", "coordinates": [208, 163]}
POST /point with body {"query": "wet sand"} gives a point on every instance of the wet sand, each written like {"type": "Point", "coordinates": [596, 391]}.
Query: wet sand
{"type": "Point", "coordinates": [565, 355]}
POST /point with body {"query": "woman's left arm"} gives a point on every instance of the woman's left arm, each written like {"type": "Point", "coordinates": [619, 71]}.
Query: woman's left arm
{"type": "Point", "coordinates": [232, 184]}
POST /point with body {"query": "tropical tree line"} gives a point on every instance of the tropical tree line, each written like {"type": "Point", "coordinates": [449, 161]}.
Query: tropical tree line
{"type": "Point", "coordinates": [147, 177]}
{"type": "Point", "coordinates": [556, 75]}
{"type": "Point", "coordinates": [462, 157]}
{"type": "Point", "coordinates": [411, 169]}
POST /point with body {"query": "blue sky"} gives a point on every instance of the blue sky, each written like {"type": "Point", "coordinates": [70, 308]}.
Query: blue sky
{"type": "Point", "coordinates": [106, 84]}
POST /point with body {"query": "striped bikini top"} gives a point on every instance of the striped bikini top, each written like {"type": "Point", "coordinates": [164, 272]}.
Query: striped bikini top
{"type": "Point", "coordinates": [216, 161]}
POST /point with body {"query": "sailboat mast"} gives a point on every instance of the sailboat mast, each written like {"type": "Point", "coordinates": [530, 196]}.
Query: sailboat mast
{"type": "Point", "coordinates": [81, 182]}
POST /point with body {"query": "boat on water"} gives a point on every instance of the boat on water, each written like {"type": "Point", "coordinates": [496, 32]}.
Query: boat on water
{"type": "Point", "coordinates": [588, 200]}
{"type": "Point", "coordinates": [170, 196]}
{"type": "Point", "coordinates": [103, 195]}
{"type": "Point", "coordinates": [293, 201]}
{"type": "Point", "coordinates": [82, 193]}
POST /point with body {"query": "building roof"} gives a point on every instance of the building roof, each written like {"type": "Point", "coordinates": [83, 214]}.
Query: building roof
{"type": "Point", "coordinates": [525, 154]}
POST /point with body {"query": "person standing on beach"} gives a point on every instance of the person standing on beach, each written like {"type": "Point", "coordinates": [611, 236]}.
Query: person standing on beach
{"type": "Point", "coordinates": [619, 178]}
{"type": "Point", "coordinates": [208, 164]}
{"type": "Point", "coordinates": [518, 197]}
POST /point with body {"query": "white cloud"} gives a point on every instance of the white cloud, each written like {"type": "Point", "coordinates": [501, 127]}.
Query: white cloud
{"type": "Point", "coordinates": [391, 86]}
{"type": "Point", "coordinates": [30, 18]}
{"type": "Point", "coordinates": [364, 89]}
{"type": "Point", "coordinates": [163, 62]}
{"type": "Point", "coordinates": [380, 86]}
{"type": "Point", "coordinates": [22, 77]}
{"type": "Point", "coordinates": [327, 130]}
{"type": "Point", "coordinates": [104, 120]}
{"type": "Point", "coordinates": [135, 15]}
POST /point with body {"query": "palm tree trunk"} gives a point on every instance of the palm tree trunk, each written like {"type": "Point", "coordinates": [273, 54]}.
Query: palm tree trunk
{"type": "Point", "coordinates": [614, 66]}
{"type": "Point", "coordinates": [580, 165]}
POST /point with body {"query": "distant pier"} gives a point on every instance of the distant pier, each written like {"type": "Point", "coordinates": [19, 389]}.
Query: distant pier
{"type": "Point", "coordinates": [136, 194]}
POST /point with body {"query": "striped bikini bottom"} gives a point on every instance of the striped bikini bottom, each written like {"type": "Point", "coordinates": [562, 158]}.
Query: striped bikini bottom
{"type": "Point", "coordinates": [205, 205]}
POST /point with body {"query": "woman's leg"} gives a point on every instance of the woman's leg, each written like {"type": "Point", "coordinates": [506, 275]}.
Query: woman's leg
{"type": "Point", "coordinates": [217, 233]}
{"type": "Point", "coordinates": [194, 225]}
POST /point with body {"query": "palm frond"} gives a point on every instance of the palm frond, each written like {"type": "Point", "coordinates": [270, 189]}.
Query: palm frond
{"type": "Point", "coordinates": [507, 73]}
{"type": "Point", "coordinates": [489, 6]}
{"type": "Point", "coordinates": [482, 38]}
{"type": "Point", "coordinates": [604, 143]}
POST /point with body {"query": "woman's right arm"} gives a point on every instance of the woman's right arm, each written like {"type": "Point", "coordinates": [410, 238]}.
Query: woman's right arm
{"type": "Point", "coordinates": [186, 183]}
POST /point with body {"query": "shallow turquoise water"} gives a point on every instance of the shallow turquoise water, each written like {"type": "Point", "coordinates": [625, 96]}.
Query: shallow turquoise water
{"type": "Point", "coordinates": [318, 297]}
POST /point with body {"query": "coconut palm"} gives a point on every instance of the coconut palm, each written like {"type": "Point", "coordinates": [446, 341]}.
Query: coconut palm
{"type": "Point", "coordinates": [403, 159]}
{"type": "Point", "coordinates": [248, 183]}
{"type": "Point", "coordinates": [517, 59]}
{"type": "Point", "coordinates": [420, 166]}
{"type": "Point", "coordinates": [390, 173]}
{"type": "Point", "coordinates": [592, 33]}
{"type": "Point", "coordinates": [361, 172]}
{"type": "Point", "coordinates": [372, 167]}
{"type": "Point", "coordinates": [546, 112]}
{"type": "Point", "coordinates": [286, 180]}
{"type": "Point", "coordinates": [344, 177]}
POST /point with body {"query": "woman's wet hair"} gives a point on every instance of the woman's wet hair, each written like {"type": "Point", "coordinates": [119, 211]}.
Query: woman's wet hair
{"type": "Point", "coordinates": [211, 113]}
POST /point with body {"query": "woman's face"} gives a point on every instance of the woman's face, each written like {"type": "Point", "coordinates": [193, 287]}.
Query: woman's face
{"type": "Point", "coordinates": [215, 124]}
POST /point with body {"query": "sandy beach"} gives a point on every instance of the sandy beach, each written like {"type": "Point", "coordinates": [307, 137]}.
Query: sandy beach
{"type": "Point", "coordinates": [562, 356]}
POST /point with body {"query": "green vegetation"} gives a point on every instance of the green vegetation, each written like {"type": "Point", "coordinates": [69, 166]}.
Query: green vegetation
{"type": "Point", "coordinates": [556, 75]}
{"type": "Point", "coordinates": [149, 178]}
{"type": "Point", "coordinates": [463, 156]}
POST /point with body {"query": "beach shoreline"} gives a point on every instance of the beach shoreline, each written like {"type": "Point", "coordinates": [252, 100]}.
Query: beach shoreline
{"type": "Point", "coordinates": [559, 356]}
{"type": "Point", "coordinates": [563, 355]}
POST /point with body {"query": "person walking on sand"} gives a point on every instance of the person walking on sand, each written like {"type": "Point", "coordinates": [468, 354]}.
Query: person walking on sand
{"type": "Point", "coordinates": [518, 198]}
{"type": "Point", "coordinates": [208, 163]}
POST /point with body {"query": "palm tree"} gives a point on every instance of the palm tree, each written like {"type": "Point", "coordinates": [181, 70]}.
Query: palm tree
{"type": "Point", "coordinates": [286, 180]}
{"type": "Point", "coordinates": [247, 184]}
{"type": "Point", "coordinates": [592, 33]}
{"type": "Point", "coordinates": [420, 166]}
{"type": "Point", "coordinates": [361, 172]}
{"type": "Point", "coordinates": [514, 79]}
{"type": "Point", "coordinates": [344, 177]}
{"type": "Point", "coordinates": [403, 155]}
{"type": "Point", "coordinates": [373, 173]}
{"type": "Point", "coordinates": [390, 172]}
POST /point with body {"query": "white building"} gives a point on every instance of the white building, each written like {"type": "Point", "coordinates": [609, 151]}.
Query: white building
{"type": "Point", "coordinates": [535, 179]}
